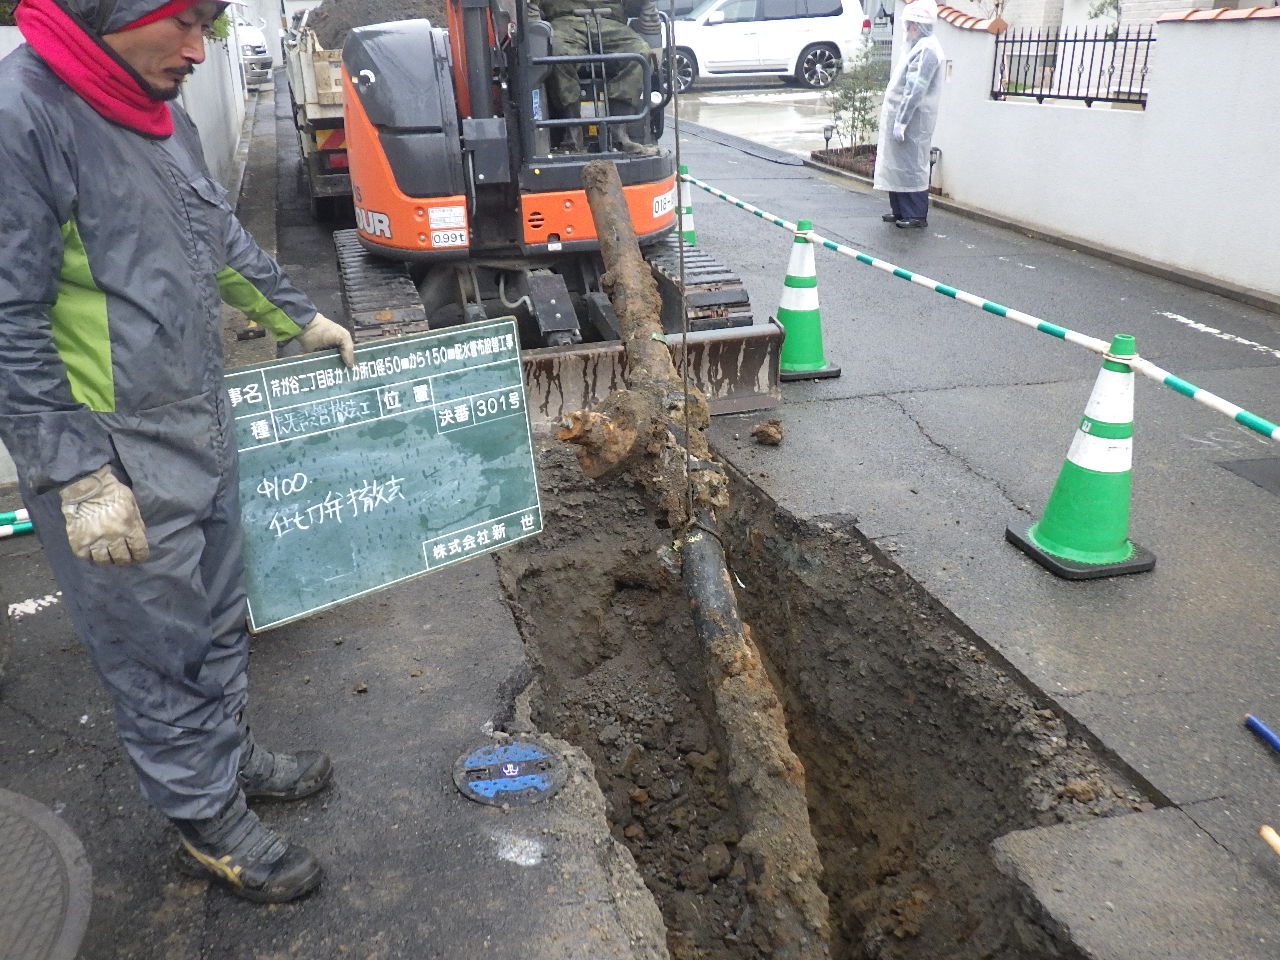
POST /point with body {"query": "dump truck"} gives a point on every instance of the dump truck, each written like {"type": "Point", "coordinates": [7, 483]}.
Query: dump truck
{"type": "Point", "coordinates": [315, 93]}
{"type": "Point", "coordinates": [469, 205]}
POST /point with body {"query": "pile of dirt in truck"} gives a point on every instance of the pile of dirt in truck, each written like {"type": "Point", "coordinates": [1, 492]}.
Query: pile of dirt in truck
{"type": "Point", "coordinates": [334, 19]}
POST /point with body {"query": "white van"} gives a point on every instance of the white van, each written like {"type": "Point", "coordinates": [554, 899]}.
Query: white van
{"type": "Point", "coordinates": [801, 39]}
{"type": "Point", "coordinates": [254, 54]}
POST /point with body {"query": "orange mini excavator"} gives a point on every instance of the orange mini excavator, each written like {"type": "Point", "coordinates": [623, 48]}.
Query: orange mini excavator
{"type": "Point", "coordinates": [469, 205]}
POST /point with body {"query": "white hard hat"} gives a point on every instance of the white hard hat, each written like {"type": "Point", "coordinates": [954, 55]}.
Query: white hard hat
{"type": "Point", "coordinates": [921, 11]}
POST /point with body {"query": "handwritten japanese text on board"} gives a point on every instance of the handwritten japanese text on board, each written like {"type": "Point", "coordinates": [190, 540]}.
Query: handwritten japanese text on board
{"type": "Point", "coordinates": [352, 480]}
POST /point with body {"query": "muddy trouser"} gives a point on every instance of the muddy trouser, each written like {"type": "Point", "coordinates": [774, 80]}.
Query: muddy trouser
{"type": "Point", "coordinates": [570, 37]}
{"type": "Point", "coordinates": [168, 640]}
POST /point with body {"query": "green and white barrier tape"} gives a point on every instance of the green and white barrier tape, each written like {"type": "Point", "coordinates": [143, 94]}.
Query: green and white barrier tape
{"type": "Point", "coordinates": [14, 523]}
{"type": "Point", "coordinates": [1138, 364]}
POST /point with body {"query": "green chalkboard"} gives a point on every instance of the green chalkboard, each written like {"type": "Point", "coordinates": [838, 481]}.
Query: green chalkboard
{"type": "Point", "coordinates": [353, 480]}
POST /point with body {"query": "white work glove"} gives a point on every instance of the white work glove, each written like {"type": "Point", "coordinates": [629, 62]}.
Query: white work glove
{"type": "Point", "coordinates": [103, 522]}
{"type": "Point", "coordinates": [322, 333]}
{"type": "Point", "coordinates": [899, 132]}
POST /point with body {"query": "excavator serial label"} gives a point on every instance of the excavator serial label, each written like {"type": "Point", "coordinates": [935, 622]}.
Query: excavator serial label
{"type": "Point", "coordinates": [445, 218]}
{"type": "Point", "coordinates": [664, 203]}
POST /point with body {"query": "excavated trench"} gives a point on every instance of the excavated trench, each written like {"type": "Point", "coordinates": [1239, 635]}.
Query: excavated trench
{"type": "Point", "coordinates": [918, 748]}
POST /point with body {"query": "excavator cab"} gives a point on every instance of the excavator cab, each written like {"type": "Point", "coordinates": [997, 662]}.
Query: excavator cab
{"type": "Point", "coordinates": [468, 187]}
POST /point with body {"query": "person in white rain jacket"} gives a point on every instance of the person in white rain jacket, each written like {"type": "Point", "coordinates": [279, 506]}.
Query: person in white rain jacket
{"type": "Point", "coordinates": [908, 118]}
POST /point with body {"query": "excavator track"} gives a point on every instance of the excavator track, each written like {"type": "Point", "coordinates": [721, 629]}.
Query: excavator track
{"type": "Point", "coordinates": [714, 297]}
{"type": "Point", "coordinates": [379, 296]}
{"type": "Point", "coordinates": [732, 359]}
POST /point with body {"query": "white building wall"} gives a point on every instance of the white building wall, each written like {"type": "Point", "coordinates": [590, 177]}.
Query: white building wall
{"type": "Point", "coordinates": [214, 97]}
{"type": "Point", "coordinates": [10, 39]}
{"type": "Point", "coordinates": [1147, 184]}
{"type": "Point", "coordinates": [1075, 13]}
{"type": "Point", "coordinates": [1149, 11]}
{"type": "Point", "coordinates": [1024, 14]}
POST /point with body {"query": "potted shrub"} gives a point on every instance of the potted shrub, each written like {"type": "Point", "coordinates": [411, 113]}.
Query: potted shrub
{"type": "Point", "coordinates": [854, 100]}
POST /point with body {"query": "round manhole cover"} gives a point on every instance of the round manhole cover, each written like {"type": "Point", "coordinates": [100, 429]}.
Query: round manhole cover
{"type": "Point", "coordinates": [46, 886]}
{"type": "Point", "coordinates": [511, 773]}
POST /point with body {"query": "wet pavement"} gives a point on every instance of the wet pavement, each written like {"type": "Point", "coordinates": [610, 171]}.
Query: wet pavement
{"type": "Point", "coordinates": [769, 112]}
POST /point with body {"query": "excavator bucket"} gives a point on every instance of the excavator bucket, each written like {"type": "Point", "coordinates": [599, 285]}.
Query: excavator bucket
{"type": "Point", "coordinates": [732, 360]}
{"type": "Point", "coordinates": [736, 368]}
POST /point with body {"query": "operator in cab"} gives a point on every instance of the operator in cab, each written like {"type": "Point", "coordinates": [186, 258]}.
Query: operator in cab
{"type": "Point", "coordinates": [572, 34]}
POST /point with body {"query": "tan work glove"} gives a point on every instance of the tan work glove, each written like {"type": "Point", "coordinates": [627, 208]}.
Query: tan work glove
{"type": "Point", "coordinates": [103, 522]}
{"type": "Point", "coordinates": [321, 333]}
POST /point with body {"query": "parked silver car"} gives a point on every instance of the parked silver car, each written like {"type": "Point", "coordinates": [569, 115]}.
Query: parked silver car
{"type": "Point", "coordinates": [254, 54]}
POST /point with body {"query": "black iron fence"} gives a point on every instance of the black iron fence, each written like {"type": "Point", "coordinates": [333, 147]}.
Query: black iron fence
{"type": "Point", "coordinates": [1093, 64]}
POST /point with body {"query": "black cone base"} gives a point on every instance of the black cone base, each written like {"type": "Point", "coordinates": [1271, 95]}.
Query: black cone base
{"type": "Point", "coordinates": [830, 370]}
{"type": "Point", "coordinates": [1141, 561]}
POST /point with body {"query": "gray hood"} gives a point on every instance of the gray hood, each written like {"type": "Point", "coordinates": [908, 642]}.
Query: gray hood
{"type": "Point", "coordinates": [108, 16]}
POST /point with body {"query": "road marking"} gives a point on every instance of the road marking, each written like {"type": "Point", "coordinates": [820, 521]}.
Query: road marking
{"type": "Point", "coordinates": [1221, 334]}
{"type": "Point", "coordinates": [25, 608]}
{"type": "Point", "coordinates": [519, 850]}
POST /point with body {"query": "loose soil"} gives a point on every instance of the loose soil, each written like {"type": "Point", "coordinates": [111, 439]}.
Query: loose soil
{"type": "Point", "coordinates": [859, 160]}
{"type": "Point", "coordinates": [919, 746]}
{"type": "Point", "coordinates": [334, 19]}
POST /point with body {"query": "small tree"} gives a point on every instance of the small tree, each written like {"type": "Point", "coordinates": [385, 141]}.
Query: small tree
{"type": "Point", "coordinates": [1109, 9]}
{"type": "Point", "coordinates": [855, 97]}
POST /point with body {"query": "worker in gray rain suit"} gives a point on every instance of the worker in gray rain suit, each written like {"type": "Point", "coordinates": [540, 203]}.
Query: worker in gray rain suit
{"type": "Point", "coordinates": [908, 118]}
{"type": "Point", "coordinates": [115, 248]}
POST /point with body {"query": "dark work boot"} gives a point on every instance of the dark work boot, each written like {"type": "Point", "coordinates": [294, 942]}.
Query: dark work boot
{"type": "Point", "coordinates": [238, 851]}
{"type": "Point", "coordinates": [571, 138]}
{"type": "Point", "coordinates": [622, 137]}
{"type": "Point", "coordinates": [264, 775]}
{"type": "Point", "coordinates": [631, 147]}
{"type": "Point", "coordinates": [889, 217]}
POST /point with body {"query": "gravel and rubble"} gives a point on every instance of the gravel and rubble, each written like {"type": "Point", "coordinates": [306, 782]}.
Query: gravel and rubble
{"type": "Point", "coordinates": [334, 19]}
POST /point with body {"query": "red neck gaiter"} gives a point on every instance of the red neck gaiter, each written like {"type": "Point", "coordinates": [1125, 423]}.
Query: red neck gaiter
{"type": "Point", "coordinates": [88, 68]}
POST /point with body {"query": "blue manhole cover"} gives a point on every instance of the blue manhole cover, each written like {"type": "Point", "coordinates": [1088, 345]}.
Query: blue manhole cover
{"type": "Point", "coordinates": [511, 773]}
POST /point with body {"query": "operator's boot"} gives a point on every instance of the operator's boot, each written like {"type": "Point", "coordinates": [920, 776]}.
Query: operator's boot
{"type": "Point", "coordinates": [622, 139]}
{"type": "Point", "coordinates": [571, 139]}
{"type": "Point", "coordinates": [632, 147]}
{"type": "Point", "coordinates": [264, 775]}
{"type": "Point", "coordinates": [238, 851]}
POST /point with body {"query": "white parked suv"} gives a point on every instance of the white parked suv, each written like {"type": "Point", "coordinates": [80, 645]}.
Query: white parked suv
{"type": "Point", "coordinates": [801, 39]}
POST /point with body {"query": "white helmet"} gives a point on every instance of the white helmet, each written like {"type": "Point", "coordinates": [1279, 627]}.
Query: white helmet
{"type": "Point", "coordinates": [921, 11]}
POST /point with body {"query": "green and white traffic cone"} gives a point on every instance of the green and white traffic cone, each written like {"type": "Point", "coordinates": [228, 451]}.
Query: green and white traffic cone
{"type": "Point", "coordinates": [800, 317]}
{"type": "Point", "coordinates": [1084, 533]}
{"type": "Point", "coordinates": [685, 215]}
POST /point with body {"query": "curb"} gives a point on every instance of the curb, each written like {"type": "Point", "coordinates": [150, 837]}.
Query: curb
{"type": "Point", "coordinates": [241, 162]}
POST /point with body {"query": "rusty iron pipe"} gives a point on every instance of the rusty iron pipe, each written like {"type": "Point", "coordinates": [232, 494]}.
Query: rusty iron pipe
{"type": "Point", "coordinates": [656, 430]}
